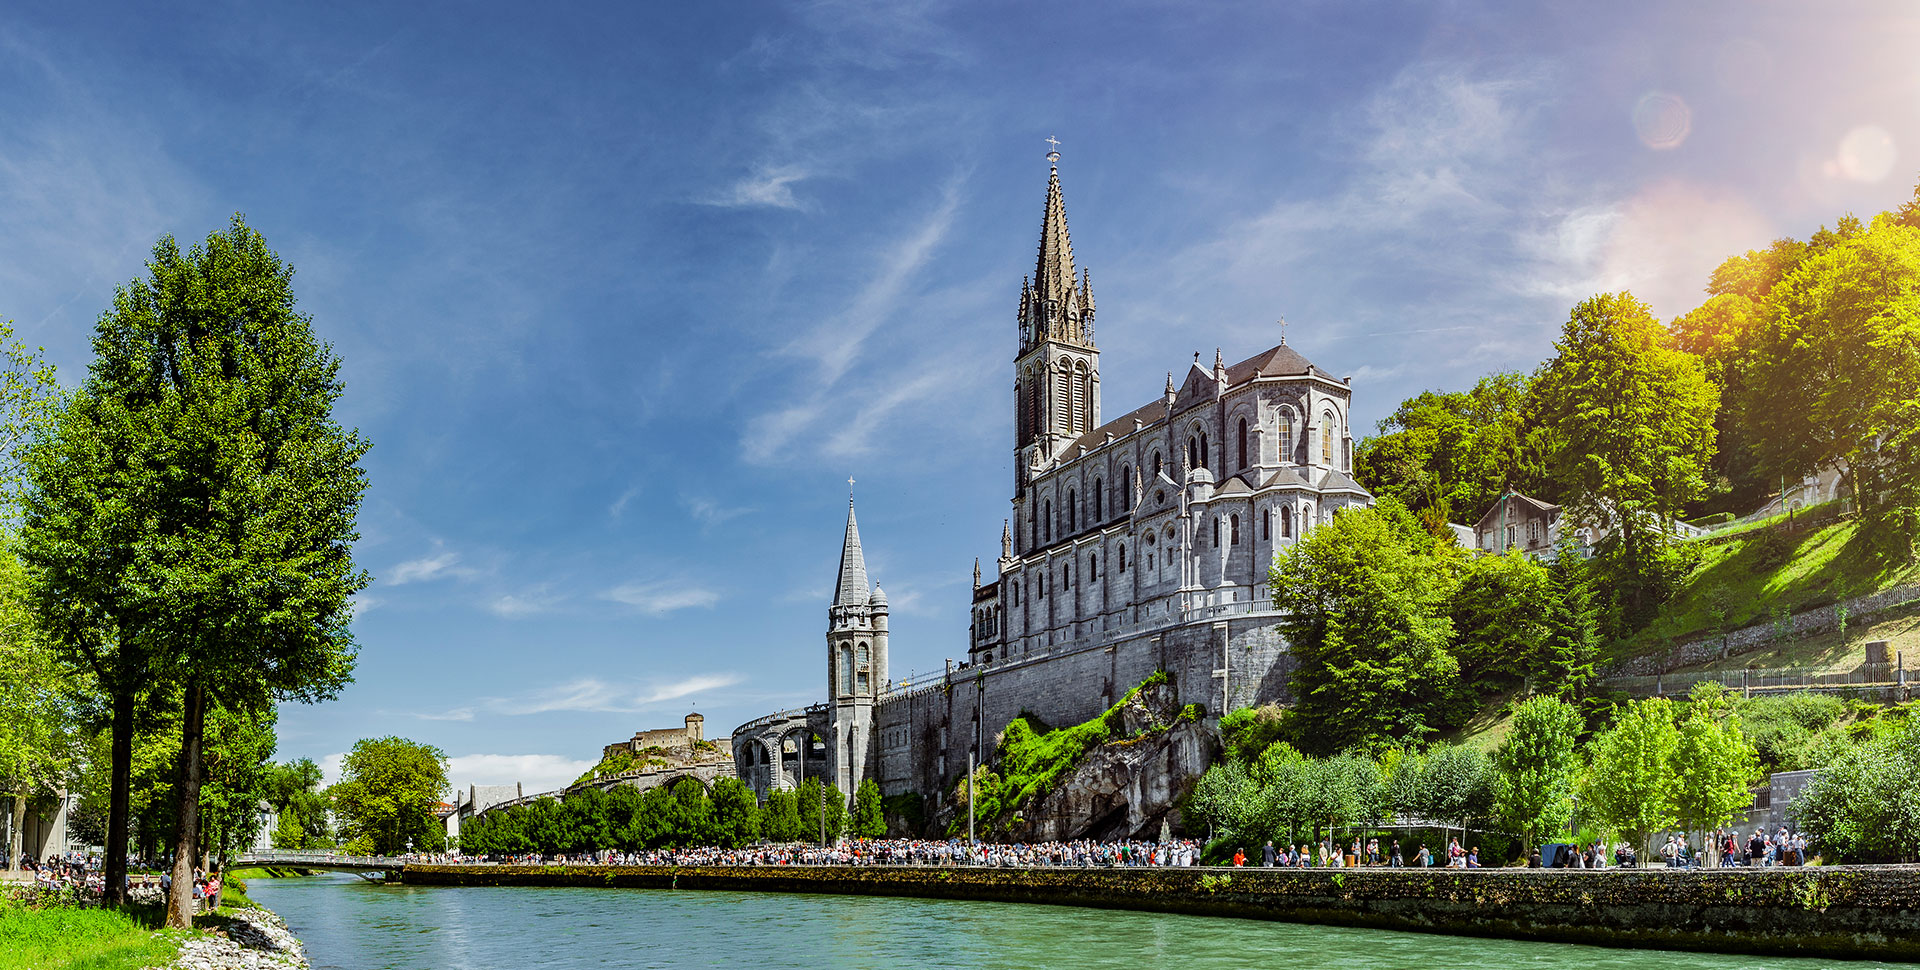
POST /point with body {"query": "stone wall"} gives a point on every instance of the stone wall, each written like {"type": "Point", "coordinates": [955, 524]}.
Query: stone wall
{"type": "Point", "coordinates": [1804, 624]}
{"type": "Point", "coordinates": [925, 735]}
{"type": "Point", "coordinates": [1835, 912]}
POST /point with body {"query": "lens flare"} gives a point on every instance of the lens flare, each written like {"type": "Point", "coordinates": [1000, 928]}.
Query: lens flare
{"type": "Point", "coordinates": [1662, 120]}
{"type": "Point", "coordinates": [1866, 154]}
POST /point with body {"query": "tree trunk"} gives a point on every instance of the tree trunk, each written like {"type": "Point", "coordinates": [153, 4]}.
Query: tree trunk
{"type": "Point", "coordinates": [186, 834]}
{"type": "Point", "coordinates": [18, 836]}
{"type": "Point", "coordinates": [119, 772]}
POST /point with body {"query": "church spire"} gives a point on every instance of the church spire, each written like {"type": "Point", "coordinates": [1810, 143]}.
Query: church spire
{"type": "Point", "coordinates": [853, 566]}
{"type": "Point", "coordinates": [1060, 299]}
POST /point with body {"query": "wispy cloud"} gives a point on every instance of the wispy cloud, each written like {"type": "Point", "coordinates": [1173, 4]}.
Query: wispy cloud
{"type": "Point", "coordinates": [594, 695]}
{"type": "Point", "coordinates": [456, 714]}
{"type": "Point", "coordinates": [619, 505]}
{"type": "Point", "coordinates": [538, 599]}
{"type": "Point", "coordinates": [708, 511]}
{"type": "Point", "coordinates": [533, 772]}
{"type": "Point", "coordinates": [768, 187]}
{"type": "Point", "coordinates": [663, 597]}
{"type": "Point", "coordinates": [428, 568]}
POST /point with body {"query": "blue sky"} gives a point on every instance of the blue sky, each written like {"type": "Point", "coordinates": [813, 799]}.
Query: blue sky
{"type": "Point", "coordinates": [625, 293]}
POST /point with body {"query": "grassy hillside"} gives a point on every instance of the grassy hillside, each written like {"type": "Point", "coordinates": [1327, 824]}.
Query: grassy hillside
{"type": "Point", "coordinates": [1756, 576]}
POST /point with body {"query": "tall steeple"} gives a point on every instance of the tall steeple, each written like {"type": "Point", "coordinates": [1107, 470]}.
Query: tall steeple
{"type": "Point", "coordinates": [853, 589]}
{"type": "Point", "coordinates": [1057, 371]}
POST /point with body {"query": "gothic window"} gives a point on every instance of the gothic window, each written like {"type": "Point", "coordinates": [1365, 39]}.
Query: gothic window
{"type": "Point", "coordinates": [1242, 441]}
{"type": "Point", "coordinates": [1046, 532]}
{"type": "Point", "coordinates": [1149, 562]}
{"type": "Point", "coordinates": [1266, 525]}
{"type": "Point", "coordinates": [1286, 522]}
{"type": "Point", "coordinates": [1065, 402]}
{"type": "Point", "coordinates": [1286, 435]}
{"type": "Point", "coordinates": [1034, 420]}
{"type": "Point", "coordinates": [1193, 452]}
{"type": "Point", "coordinates": [1216, 532]}
{"type": "Point", "coordinates": [1205, 462]}
{"type": "Point", "coordinates": [1066, 577]}
{"type": "Point", "coordinates": [846, 669]}
{"type": "Point", "coordinates": [1072, 503]}
{"type": "Point", "coordinates": [1233, 529]}
{"type": "Point", "coordinates": [1082, 400]}
{"type": "Point", "coordinates": [1099, 492]}
{"type": "Point", "coordinates": [1126, 486]}
{"type": "Point", "coordinates": [1326, 438]}
{"type": "Point", "coordinates": [1093, 567]}
{"type": "Point", "coordinates": [1156, 464]}
{"type": "Point", "coordinates": [1122, 551]}
{"type": "Point", "coordinates": [1020, 412]}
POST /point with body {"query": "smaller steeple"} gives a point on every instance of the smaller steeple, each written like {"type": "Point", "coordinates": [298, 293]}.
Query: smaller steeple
{"type": "Point", "coordinates": [1171, 393]}
{"type": "Point", "coordinates": [1006, 540]}
{"type": "Point", "coordinates": [853, 589]}
{"type": "Point", "coordinates": [976, 572]}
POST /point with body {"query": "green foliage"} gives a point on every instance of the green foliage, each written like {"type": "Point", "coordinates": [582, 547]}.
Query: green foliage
{"type": "Point", "coordinates": [1248, 731]}
{"type": "Point", "coordinates": [1500, 613]}
{"type": "Point", "coordinates": [1629, 782]}
{"type": "Point", "coordinates": [869, 821]}
{"type": "Point", "coordinates": [293, 790]}
{"type": "Point", "coordinates": [1713, 762]}
{"type": "Point", "coordinates": [1632, 422]}
{"type": "Point", "coordinates": [736, 815]}
{"type": "Point", "coordinates": [812, 799]}
{"type": "Point", "coordinates": [613, 764]}
{"type": "Point", "coordinates": [1364, 598]}
{"type": "Point", "coordinates": [39, 743]}
{"type": "Point", "coordinates": [780, 817]}
{"type": "Point", "coordinates": [1447, 456]}
{"type": "Point", "coordinates": [1865, 805]}
{"type": "Point", "coordinates": [1536, 767]}
{"type": "Point", "coordinates": [387, 792]}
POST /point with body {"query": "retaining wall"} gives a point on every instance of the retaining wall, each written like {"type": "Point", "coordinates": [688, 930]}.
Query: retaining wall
{"type": "Point", "coordinates": [1846, 912]}
{"type": "Point", "coordinates": [1806, 623]}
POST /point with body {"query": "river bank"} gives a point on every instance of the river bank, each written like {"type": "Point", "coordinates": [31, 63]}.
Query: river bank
{"type": "Point", "coordinates": [49, 936]}
{"type": "Point", "coordinates": [1845, 912]}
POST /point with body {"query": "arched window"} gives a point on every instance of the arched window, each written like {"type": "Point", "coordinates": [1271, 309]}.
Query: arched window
{"type": "Point", "coordinates": [860, 670]}
{"type": "Point", "coordinates": [1326, 438]}
{"type": "Point", "coordinates": [1216, 532]}
{"type": "Point", "coordinates": [1286, 435]}
{"type": "Point", "coordinates": [1099, 491]}
{"type": "Point", "coordinates": [1046, 531]}
{"type": "Point", "coordinates": [1193, 452]}
{"type": "Point", "coordinates": [1020, 412]}
{"type": "Point", "coordinates": [1066, 577]}
{"type": "Point", "coordinates": [846, 670]}
{"type": "Point", "coordinates": [1035, 421]}
{"type": "Point", "coordinates": [1242, 442]}
{"type": "Point", "coordinates": [1286, 522]}
{"type": "Point", "coordinates": [1205, 462]}
{"type": "Point", "coordinates": [1093, 567]}
{"type": "Point", "coordinates": [1072, 503]}
{"type": "Point", "coordinates": [1122, 553]}
{"type": "Point", "coordinates": [1082, 399]}
{"type": "Point", "coordinates": [1266, 526]}
{"type": "Point", "coordinates": [1233, 529]}
{"type": "Point", "coordinates": [1064, 403]}
{"type": "Point", "coordinates": [1126, 486]}
{"type": "Point", "coordinates": [1156, 464]}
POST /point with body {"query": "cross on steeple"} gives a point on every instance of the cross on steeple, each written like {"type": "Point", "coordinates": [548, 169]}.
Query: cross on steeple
{"type": "Point", "coordinates": [1053, 155]}
{"type": "Point", "coordinates": [1283, 329]}
{"type": "Point", "coordinates": [849, 489]}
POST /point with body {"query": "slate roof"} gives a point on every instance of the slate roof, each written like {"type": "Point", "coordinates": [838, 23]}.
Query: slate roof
{"type": "Point", "coordinates": [1280, 361]}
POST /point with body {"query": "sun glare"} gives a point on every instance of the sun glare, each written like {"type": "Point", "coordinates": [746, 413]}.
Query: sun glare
{"type": "Point", "coordinates": [1662, 120]}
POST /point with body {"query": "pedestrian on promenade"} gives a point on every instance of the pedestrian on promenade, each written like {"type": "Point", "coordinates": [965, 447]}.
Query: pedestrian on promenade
{"type": "Point", "coordinates": [1239, 857]}
{"type": "Point", "coordinates": [1267, 855]}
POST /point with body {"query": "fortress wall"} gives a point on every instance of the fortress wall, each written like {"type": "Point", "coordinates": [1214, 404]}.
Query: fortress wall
{"type": "Point", "coordinates": [926, 735]}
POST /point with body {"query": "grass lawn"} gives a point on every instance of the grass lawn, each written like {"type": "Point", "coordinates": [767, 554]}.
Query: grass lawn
{"type": "Point", "coordinates": [84, 939]}
{"type": "Point", "coordinates": [1735, 586]}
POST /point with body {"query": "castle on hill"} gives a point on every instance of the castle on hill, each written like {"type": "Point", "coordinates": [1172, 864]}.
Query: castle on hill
{"type": "Point", "coordinates": [1133, 545]}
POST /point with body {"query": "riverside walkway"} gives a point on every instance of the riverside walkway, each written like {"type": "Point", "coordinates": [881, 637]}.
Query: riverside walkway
{"type": "Point", "coordinates": [326, 860]}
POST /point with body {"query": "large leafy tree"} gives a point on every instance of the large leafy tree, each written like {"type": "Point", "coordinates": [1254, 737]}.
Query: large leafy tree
{"type": "Point", "coordinates": [1364, 599]}
{"type": "Point", "coordinates": [191, 513]}
{"type": "Point", "coordinates": [1629, 784]}
{"type": "Point", "coordinates": [387, 791]}
{"type": "Point", "coordinates": [39, 744]}
{"type": "Point", "coordinates": [1447, 455]}
{"type": "Point", "coordinates": [1836, 374]}
{"type": "Point", "coordinates": [869, 821]}
{"type": "Point", "coordinates": [1714, 762]}
{"type": "Point", "coordinates": [294, 791]}
{"type": "Point", "coordinates": [1500, 617]}
{"type": "Point", "coordinates": [1632, 425]}
{"type": "Point", "coordinates": [1535, 767]}
{"type": "Point", "coordinates": [1864, 806]}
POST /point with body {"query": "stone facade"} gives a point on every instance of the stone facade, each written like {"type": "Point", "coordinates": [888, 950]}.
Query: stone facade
{"type": "Point", "coordinates": [667, 739]}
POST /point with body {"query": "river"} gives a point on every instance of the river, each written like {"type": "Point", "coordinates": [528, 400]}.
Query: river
{"type": "Point", "coordinates": [353, 925]}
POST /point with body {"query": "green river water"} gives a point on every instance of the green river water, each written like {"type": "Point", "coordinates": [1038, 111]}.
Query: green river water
{"type": "Point", "coordinates": [353, 925]}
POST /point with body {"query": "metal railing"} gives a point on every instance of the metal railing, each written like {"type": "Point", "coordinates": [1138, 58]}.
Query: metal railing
{"type": "Point", "coordinates": [321, 860]}
{"type": "Point", "coordinates": [1749, 679]}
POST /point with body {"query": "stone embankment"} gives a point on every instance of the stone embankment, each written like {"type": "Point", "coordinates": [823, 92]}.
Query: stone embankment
{"type": "Point", "coordinates": [252, 939]}
{"type": "Point", "coordinates": [1844, 912]}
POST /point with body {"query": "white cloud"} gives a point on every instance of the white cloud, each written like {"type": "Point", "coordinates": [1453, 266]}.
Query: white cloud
{"type": "Point", "coordinates": [535, 773]}
{"type": "Point", "coordinates": [427, 568]}
{"type": "Point", "coordinates": [619, 505]}
{"type": "Point", "coordinates": [456, 714]}
{"type": "Point", "coordinates": [710, 512]}
{"type": "Point", "coordinates": [361, 603]}
{"type": "Point", "coordinates": [662, 597]}
{"type": "Point", "coordinates": [525, 603]}
{"type": "Point", "coordinates": [769, 187]}
{"type": "Point", "coordinates": [591, 694]}
{"type": "Point", "coordinates": [330, 767]}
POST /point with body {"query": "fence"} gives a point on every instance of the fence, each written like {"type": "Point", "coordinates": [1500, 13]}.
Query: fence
{"type": "Point", "coordinates": [1751, 679]}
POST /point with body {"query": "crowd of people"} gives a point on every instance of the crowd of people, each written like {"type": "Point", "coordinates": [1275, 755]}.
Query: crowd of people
{"type": "Point", "coordinates": [896, 852]}
{"type": "Point", "coordinates": [83, 874]}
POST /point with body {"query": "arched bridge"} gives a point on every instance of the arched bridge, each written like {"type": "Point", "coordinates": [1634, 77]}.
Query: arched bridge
{"type": "Point", "coordinates": [322, 860]}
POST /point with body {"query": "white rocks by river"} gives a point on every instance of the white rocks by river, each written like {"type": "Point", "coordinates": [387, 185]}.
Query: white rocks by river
{"type": "Point", "coordinates": [254, 939]}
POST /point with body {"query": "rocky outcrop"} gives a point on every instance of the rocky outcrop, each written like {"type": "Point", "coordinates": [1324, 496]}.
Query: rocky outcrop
{"type": "Point", "coordinates": [1131, 786]}
{"type": "Point", "coordinates": [251, 939]}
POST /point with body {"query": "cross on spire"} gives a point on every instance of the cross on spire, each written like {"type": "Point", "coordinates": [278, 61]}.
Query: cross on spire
{"type": "Point", "coordinates": [1283, 329]}
{"type": "Point", "coordinates": [849, 489]}
{"type": "Point", "coordinates": [1053, 156]}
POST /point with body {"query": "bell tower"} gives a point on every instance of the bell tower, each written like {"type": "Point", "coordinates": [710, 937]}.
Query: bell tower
{"type": "Point", "coordinates": [856, 664]}
{"type": "Point", "coordinates": [1057, 371]}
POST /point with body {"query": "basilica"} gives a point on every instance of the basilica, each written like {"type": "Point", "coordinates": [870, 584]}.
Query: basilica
{"type": "Point", "coordinates": [1133, 545]}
